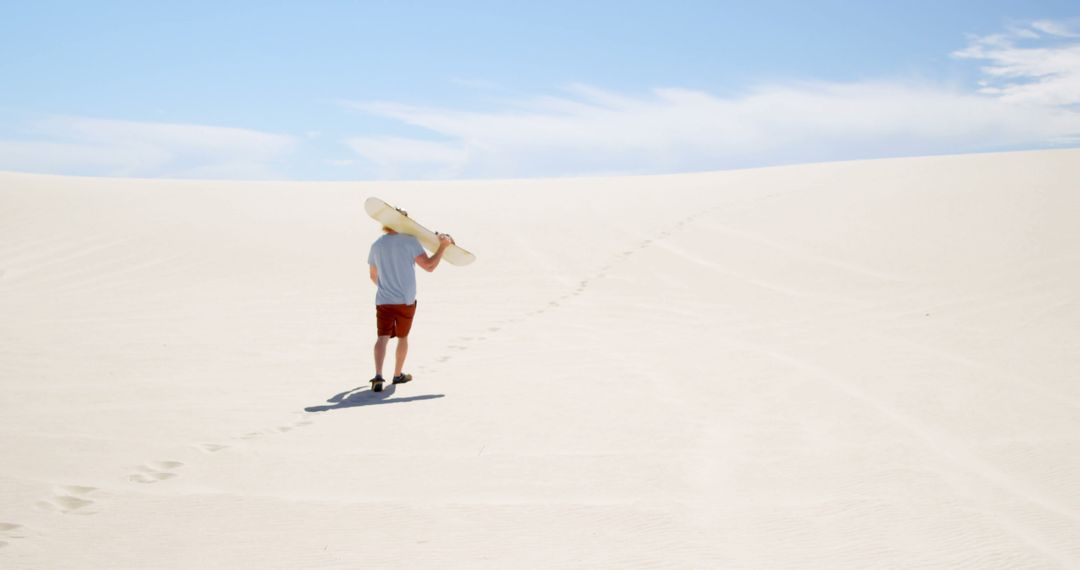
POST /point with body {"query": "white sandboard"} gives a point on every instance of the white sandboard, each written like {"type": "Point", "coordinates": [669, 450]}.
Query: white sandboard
{"type": "Point", "coordinates": [400, 222]}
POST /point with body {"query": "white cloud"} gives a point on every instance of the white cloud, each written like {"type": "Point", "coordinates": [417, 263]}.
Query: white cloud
{"type": "Point", "coordinates": [594, 131]}
{"type": "Point", "coordinates": [87, 146]}
{"type": "Point", "coordinates": [1038, 64]}
{"type": "Point", "coordinates": [1053, 28]}
{"type": "Point", "coordinates": [587, 130]}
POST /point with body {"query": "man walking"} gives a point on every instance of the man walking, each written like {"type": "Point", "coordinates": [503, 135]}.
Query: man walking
{"type": "Point", "coordinates": [391, 264]}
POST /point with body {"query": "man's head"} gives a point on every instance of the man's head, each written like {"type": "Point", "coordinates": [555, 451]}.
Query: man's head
{"type": "Point", "coordinates": [387, 229]}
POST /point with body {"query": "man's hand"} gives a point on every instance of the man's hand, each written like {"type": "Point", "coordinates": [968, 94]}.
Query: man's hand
{"type": "Point", "coordinates": [430, 263]}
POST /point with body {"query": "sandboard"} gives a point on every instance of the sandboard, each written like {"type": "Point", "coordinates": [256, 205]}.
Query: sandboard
{"type": "Point", "coordinates": [400, 222]}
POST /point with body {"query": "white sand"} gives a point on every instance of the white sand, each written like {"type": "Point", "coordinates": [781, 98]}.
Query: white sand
{"type": "Point", "coordinates": [852, 365]}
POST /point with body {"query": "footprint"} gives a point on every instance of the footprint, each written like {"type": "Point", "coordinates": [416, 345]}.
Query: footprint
{"type": "Point", "coordinates": [211, 447]}
{"type": "Point", "coordinates": [68, 499]}
{"type": "Point", "coordinates": [155, 471]}
{"type": "Point", "coordinates": [301, 419]}
{"type": "Point", "coordinates": [150, 477]}
{"type": "Point", "coordinates": [11, 531]}
{"type": "Point", "coordinates": [76, 489]}
{"type": "Point", "coordinates": [68, 504]}
{"type": "Point", "coordinates": [164, 465]}
{"type": "Point", "coordinates": [249, 436]}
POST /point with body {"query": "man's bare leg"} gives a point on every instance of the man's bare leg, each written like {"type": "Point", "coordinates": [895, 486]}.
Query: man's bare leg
{"type": "Point", "coordinates": [380, 353]}
{"type": "Point", "coordinates": [402, 351]}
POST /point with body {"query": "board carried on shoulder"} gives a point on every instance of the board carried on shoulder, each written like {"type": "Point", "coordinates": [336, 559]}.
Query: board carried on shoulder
{"type": "Point", "coordinates": [399, 221]}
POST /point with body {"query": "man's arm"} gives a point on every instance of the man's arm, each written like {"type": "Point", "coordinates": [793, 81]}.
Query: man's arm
{"type": "Point", "coordinates": [430, 263]}
{"type": "Point", "coordinates": [374, 272]}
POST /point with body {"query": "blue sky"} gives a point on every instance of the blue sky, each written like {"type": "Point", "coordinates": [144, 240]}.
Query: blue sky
{"type": "Point", "coordinates": [390, 90]}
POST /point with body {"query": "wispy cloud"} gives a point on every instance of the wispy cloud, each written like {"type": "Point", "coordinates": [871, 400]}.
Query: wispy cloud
{"type": "Point", "coordinates": [1028, 97]}
{"type": "Point", "coordinates": [1063, 29]}
{"type": "Point", "coordinates": [1037, 64]}
{"type": "Point", "coordinates": [88, 146]}
{"type": "Point", "coordinates": [587, 130]}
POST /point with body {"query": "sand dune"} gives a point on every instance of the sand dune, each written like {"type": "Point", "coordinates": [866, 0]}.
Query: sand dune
{"type": "Point", "coordinates": [847, 365]}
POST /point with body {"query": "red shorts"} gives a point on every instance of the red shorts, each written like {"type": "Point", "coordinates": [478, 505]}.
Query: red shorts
{"type": "Point", "coordinates": [394, 320]}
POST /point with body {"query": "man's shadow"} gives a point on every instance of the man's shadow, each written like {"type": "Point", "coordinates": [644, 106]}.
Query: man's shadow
{"type": "Point", "coordinates": [363, 396]}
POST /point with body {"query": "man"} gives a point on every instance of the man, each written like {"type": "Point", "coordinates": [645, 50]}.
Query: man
{"type": "Point", "coordinates": [391, 264]}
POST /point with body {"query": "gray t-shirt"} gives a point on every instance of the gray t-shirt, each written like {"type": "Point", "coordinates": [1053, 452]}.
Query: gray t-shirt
{"type": "Point", "coordinates": [394, 255]}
